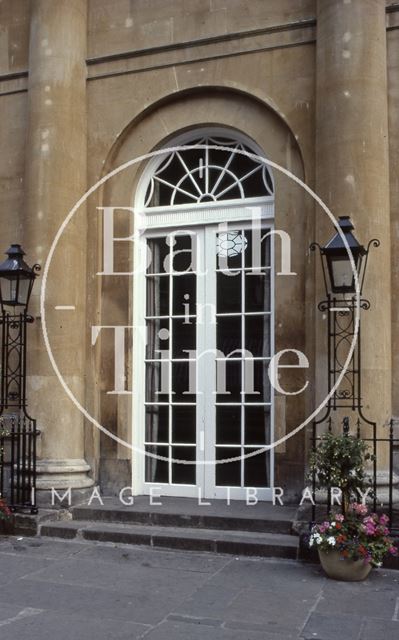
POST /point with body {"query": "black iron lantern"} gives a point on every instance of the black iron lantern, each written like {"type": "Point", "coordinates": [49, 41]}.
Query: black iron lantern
{"type": "Point", "coordinates": [339, 267]}
{"type": "Point", "coordinates": [16, 279]}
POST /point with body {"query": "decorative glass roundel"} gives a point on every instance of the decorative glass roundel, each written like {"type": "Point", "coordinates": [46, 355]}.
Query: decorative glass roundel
{"type": "Point", "coordinates": [192, 176]}
{"type": "Point", "coordinates": [231, 244]}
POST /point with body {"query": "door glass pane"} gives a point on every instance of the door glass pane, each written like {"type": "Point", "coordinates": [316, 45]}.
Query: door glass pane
{"type": "Point", "coordinates": [183, 375]}
{"type": "Point", "coordinates": [184, 293]}
{"type": "Point", "coordinates": [257, 425]}
{"type": "Point", "coordinates": [257, 335]}
{"type": "Point", "coordinates": [229, 334]}
{"type": "Point", "coordinates": [257, 292]}
{"type": "Point", "coordinates": [157, 337]}
{"type": "Point", "coordinates": [228, 425]}
{"type": "Point", "coordinates": [157, 296]}
{"type": "Point", "coordinates": [157, 423]}
{"type": "Point", "coordinates": [183, 252]}
{"type": "Point", "coordinates": [184, 337]}
{"type": "Point", "coordinates": [157, 254]}
{"type": "Point", "coordinates": [228, 473]}
{"type": "Point", "coordinates": [228, 381]}
{"type": "Point", "coordinates": [183, 473]}
{"type": "Point", "coordinates": [156, 470]}
{"type": "Point", "coordinates": [258, 248]}
{"type": "Point", "coordinates": [157, 381]}
{"type": "Point", "coordinates": [228, 293]}
{"type": "Point", "coordinates": [257, 385]}
{"type": "Point", "coordinates": [184, 426]}
{"type": "Point", "coordinates": [256, 469]}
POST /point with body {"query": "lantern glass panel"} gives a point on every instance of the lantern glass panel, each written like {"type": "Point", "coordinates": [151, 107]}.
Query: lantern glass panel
{"type": "Point", "coordinates": [8, 290]}
{"type": "Point", "coordinates": [15, 290]}
{"type": "Point", "coordinates": [23, 291]}
{"type": "Point", "coordinates": [342, 273]}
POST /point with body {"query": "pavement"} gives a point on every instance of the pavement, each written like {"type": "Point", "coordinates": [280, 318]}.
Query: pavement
{"type": "Point", "coordinates": [64, 590]}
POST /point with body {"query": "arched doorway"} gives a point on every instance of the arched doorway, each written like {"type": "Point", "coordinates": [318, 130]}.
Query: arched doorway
{"type": "Point", "coordinates": [203, 294]}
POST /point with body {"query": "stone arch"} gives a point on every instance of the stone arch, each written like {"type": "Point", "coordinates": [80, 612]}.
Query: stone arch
{"type": "Point", "coordinates": [152, 129]}
{"type": "Point", "coordinates": [230, 91]}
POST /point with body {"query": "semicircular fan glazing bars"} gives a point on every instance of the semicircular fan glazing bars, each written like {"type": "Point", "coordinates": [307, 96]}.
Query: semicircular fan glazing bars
{"type": "Point", "coordinates": [192, 176]}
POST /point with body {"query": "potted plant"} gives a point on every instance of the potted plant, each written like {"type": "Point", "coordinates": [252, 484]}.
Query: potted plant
{"type": "Point", "coordinates": [5, 513]}
{"type": "Point", "coordinates": [5, 516]}
{"type": "Point", "coordinates": [351, 545]}
{"type": "Point", "coordinates": [338, 461]}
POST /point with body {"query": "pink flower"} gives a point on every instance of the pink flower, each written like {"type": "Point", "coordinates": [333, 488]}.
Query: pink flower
{"type": "Point", "coordinates": [339, 517]}
{"type": "Point", "coordinates": [360, 509]}
{"type": "Point", "coordinates": [393, 551]}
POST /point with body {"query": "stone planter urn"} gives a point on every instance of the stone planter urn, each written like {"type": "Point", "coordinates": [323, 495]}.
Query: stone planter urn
{"type": "Point", "coordinates": [345, 569]}
{"type": "Point", "coordinates": [6, 527]}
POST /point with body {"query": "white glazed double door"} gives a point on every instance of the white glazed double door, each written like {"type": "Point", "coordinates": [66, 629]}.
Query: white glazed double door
{"type": "Point", "coordinates": [207, 415]}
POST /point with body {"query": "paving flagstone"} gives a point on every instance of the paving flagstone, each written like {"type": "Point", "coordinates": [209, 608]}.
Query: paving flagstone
{"type": "Point", "coordinates": [84, 590]}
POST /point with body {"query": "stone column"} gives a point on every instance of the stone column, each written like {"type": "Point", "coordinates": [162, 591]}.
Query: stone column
{"type": "Point", "coordinates": [352, 169]}
{"type": "Point", "coordinates": [55, 180]}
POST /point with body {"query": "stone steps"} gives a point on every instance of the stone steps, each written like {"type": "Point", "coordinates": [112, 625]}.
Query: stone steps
{"type": "Point", "coordinates": [182, 523]}
{"type": "Point", "coordinates": [189, 515]}
{"type": "Point", "coordinates": [235, 542]}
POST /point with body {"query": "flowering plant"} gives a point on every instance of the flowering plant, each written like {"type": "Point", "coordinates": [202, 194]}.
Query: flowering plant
{"type": "Point", "coordinates": [5, 512]}
{"type": "Point", "coordinates": [359, 535]}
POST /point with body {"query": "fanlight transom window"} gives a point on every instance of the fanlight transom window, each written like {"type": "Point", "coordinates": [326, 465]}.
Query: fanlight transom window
{"type": "Point", "coordinates": [199, 175]}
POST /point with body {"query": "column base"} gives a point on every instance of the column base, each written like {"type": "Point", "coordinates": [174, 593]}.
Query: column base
{"type": "Point", "coordinates": [62, 476]}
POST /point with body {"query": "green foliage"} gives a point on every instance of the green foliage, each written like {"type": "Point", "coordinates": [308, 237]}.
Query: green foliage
{"type": "Point", "coordinates": [339, 461]}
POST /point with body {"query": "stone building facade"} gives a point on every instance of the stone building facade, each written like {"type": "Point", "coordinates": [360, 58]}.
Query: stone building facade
{"type": "Point", "coordinates": [87, 85]}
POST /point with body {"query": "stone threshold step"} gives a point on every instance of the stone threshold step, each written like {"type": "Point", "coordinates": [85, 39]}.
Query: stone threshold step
{"type": "Point", "coordinates": [234, 542]}
{"type": "Point", "coordinates": [196, 518]}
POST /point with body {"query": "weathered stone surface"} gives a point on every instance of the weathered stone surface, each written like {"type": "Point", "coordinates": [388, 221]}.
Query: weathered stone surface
{"type": "Point", "coordinates": [352, 175]}
{"type": "Point", "coordinates": [315, 100]}
{"type": "Point", "coordinates": [124, 593]}
{"type": "Point", "coordinates": [55, 177]}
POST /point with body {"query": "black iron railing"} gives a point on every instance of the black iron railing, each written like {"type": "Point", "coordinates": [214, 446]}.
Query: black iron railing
{"type": "Point", "coordinates": [18, 435]}
{"type": "Point", "coordinates": [344, 386]}
{"type": "Point", "coordinates": [18, 431]}
{"type": "Point", "coordinates": [382, 448]}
